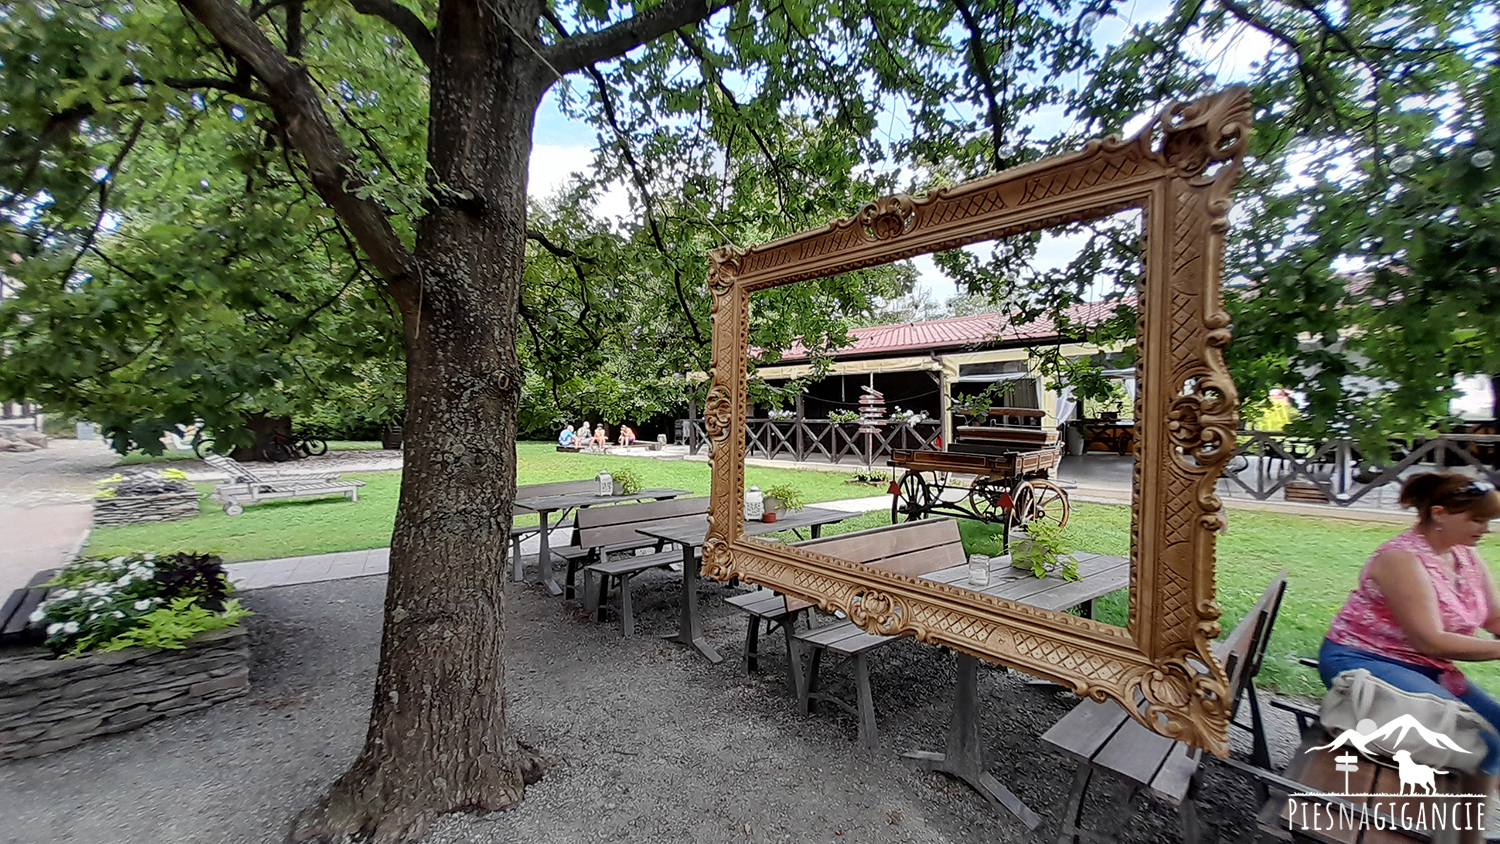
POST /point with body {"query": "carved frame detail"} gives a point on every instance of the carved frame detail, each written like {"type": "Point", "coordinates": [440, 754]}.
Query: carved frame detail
{"type": "Point", "coordinates": [1178, 171]}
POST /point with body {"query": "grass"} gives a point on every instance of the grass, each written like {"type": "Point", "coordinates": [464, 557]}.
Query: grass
{"type": "Point", "coordinates": [137, 457]}
{"type": "Point", "coordinates": [1323, 555]}
{"type": "Point", "coordinates": [295, 528]}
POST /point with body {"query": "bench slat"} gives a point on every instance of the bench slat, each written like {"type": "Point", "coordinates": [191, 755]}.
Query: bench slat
{"type": "Point", "coordinates": [763, 602]}
{"type": "Point", "coordinates": [1135, 753]}
{"type": "Point", "coordinates": [1085, 729]}
{"type": "Point", "coordinates": [639, 563]}
{"type": "Point", "coordinates": [1175, 778]}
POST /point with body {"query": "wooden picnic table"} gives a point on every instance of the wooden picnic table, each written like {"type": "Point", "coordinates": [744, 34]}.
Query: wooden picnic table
{"type": "Point", "coordinates": [1100, 575]}
{"type": "Point", "coordinates": [545, 505]}
{"type": "Point", "coordinates": [690, 533]}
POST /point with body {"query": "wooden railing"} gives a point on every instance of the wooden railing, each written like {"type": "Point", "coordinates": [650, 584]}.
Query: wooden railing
{"type": "Point", "coordinates": [820, 439]}
{"type": "Point", "coordinates": [1267, 463]}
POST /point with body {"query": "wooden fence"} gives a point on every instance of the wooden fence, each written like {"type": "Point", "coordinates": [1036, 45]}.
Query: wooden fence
{"type": "Point", "coordinates": [820, 439]}
{"type": "Point", "coordinates": [1267, 463]}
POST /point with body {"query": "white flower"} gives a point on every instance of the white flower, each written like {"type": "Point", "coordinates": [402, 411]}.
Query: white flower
{"type": "Point", "coordinates": [70, 627]}
{"type": "Point", "coordinates": [119, 614]}
{"type": "Point", "coordinates": [68, 594]}
{"type": "Point", "coordinates": [93, 616]}
{"type": "Point", "coordinates": [38, 615]}
{"type": "Point", "coordinates": [54, 628]}
{"type": "Point", "coordinates": [126, 580]}
{"type": "Point", "coordinates": [117, 561]}
{"type": "Point", "coordinates": [148, 557]}
{"type": "Point", "coordinates": [142, 604]}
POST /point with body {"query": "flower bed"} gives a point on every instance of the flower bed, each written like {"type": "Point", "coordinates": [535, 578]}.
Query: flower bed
{"type": "Point", "coordinates": [145, 496]}
{"type": "Point", "coordinates": [49, 704]}
{"type": "Point", "coordinates": [140, 637]}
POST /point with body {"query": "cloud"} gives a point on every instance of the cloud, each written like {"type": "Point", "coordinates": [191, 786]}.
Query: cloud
{"type": "Point", "coordinates": [552, 166]}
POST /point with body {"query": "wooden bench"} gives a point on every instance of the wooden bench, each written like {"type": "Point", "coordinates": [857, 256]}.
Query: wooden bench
{"type": "Point", "coordinates": [15, 615]}
{"type": "Point", "coordinates": [911, 548]}
{"type": "Point", "coordinates": [603, 531]}
{"type": "Point", "coordinates": [775, 610]}
{"type": "Point", "coordinates": [1105, 740]}
{"type": "Point", "coordinates": [1018, 437]}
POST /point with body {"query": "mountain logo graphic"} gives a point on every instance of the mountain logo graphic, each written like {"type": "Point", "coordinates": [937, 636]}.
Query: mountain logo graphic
{"type": "Point", "coordinates": [1366, 731]}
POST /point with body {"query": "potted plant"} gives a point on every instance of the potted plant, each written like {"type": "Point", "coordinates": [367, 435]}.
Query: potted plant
{"type": "Point", "coordinates": [782, 499]}
{"type": "Point", "coordinates": [1042, 549]}
{"type": "Point", "coordinates": [838, 417]}
{"type": "Point", "coordinates": [627, 482]}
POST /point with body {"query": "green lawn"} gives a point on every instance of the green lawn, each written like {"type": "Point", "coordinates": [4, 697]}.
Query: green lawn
{"type": "Point", "coordinates": [294, 528]}
{"type": "Point", "coordinates": [1323, 555]}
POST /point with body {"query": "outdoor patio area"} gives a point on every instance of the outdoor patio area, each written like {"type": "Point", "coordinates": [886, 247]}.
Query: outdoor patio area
{"type": "Point", "coordinates": [645, 741]}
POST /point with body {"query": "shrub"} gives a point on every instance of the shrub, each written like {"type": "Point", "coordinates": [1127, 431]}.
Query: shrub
{"type": "Point", "coordinates": [136, 599]}
{"type": "Point", "coordinates": [144, 482]}
{"type": "Point", "coordinates": [840, 416]}
{"type": "Point", "coordinates": [1041, 549]}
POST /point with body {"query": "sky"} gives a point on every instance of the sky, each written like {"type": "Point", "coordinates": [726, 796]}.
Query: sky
{"type": "Point", "coordinates": [562, 146]}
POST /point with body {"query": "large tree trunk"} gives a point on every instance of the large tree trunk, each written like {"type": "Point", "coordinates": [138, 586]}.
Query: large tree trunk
{"type": "Point", "coordinates": [438, 738]}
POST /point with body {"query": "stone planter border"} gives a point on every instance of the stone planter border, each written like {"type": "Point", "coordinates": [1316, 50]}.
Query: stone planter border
{"type": "Point", "coordinates": [49, 704]}
{"type": "Point", "coordinates": [139, 509]}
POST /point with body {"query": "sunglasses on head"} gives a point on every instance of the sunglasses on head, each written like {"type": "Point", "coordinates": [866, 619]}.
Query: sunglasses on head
{"type": "Point", "coordinates": [1479, 487]}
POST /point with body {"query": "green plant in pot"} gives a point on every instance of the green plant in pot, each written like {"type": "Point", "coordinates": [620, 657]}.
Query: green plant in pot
{"type": "Point", "coordinates": [627, 482]}
{"type": "Point", "coordinates": [784, 498]}
{"type": "Point", "coordinates": [1042, 548]}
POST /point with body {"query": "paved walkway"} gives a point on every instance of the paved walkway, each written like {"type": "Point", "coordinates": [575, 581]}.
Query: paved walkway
{"type": "Point", "coordinates": [46, 506]}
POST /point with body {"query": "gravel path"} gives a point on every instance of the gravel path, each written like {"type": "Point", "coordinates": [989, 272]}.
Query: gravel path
{"type": "Point", "coordinates": [648, 743]}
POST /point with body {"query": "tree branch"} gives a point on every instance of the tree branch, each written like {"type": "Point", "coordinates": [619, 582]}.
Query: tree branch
{"type": "Point", "coordinates": [580, 51]}
{"type": "Point", "coordinates": [986, 79]}
{"type": "Point", "coordinates": [405, 21]}
{"type": "Point", "coordinates": [240, 88]}
{"type": "Point", "coordinates": [309, 128]}
{"type": "Point", "coordinates": [104, 183]}
{"type": "Point", "coordinates": [560, 251]}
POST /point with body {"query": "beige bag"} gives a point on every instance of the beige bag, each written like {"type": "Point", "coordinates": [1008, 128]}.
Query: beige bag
{"type": "Point", "coordinates": [1438, 732]}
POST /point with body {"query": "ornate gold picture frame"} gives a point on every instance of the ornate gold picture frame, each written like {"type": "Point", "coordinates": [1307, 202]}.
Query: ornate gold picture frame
{"type": "Point", "coordinates": [1178, 172]}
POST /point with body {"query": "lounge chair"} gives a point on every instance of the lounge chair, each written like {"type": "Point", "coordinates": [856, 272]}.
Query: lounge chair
{"type": "Point", "coordinates": [245, 487]}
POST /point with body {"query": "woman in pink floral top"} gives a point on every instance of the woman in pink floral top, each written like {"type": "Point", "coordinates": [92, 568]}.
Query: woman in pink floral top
{"type": "Point", "coordinates": [1423, 600]}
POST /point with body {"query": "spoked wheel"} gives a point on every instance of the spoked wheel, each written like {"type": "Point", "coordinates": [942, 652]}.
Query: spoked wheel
{"type": "Point", "coordinates": [911, 500]}
{"type": "Point", "coordinates": [314, 447]}
{"type": "Point", "coordinates": [1023, 503]}
{"type": "Point", "coordinates": [204, 448]}
{"type": "Point", "coordinates": [990, 500]}
{"type": "Point", "coordinates": [1049, 503]}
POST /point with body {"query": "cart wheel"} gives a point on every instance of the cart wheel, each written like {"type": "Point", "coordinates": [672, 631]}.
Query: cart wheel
{"type": "Point", "coordinates": [233, 509]}
{"type": "Point", "coordinates": [912, 499]}
{"type": "Point", "coordinates": [1023, 503]}
{"type": "Point", "coordinates": [989, 500]}
{"type": "Point", "coordinates": [1050, 503]}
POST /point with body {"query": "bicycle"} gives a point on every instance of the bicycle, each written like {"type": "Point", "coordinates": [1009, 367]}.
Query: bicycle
{"type": "Point", "coordinates": [280, 448]}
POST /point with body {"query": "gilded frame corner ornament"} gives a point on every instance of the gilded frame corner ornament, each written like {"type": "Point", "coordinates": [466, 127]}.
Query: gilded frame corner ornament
{"type": "Point", "coordinates": [1178, 171]}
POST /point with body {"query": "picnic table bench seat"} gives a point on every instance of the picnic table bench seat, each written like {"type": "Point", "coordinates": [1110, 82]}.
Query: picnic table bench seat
{"type": "Point", "coordinates": [606, 531]}
{"type": "Point", "coordinates": [911, 548]}
{"type": "Point", "coordinates": [15, 614]}
{"type": "Point", "coordinates": [520, 532]}
{"type": "Point", "coordinates": [1104, 739]}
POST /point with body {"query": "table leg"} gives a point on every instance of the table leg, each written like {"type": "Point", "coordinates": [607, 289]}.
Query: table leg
{"type": "Point", "coordinates": [965, 756]}
{"type": "Point", "coordinates": [544, 556]}
{"type": "Point", "coordinates": [687, 625]}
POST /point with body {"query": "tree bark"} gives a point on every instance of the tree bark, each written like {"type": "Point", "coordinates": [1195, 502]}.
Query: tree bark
{"type": "Point", "coordinates": [438, 738]}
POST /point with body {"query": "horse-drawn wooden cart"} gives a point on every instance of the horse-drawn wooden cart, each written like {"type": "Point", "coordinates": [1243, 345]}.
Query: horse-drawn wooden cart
{"type": "Point", "coordinates": [1001, 470]}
